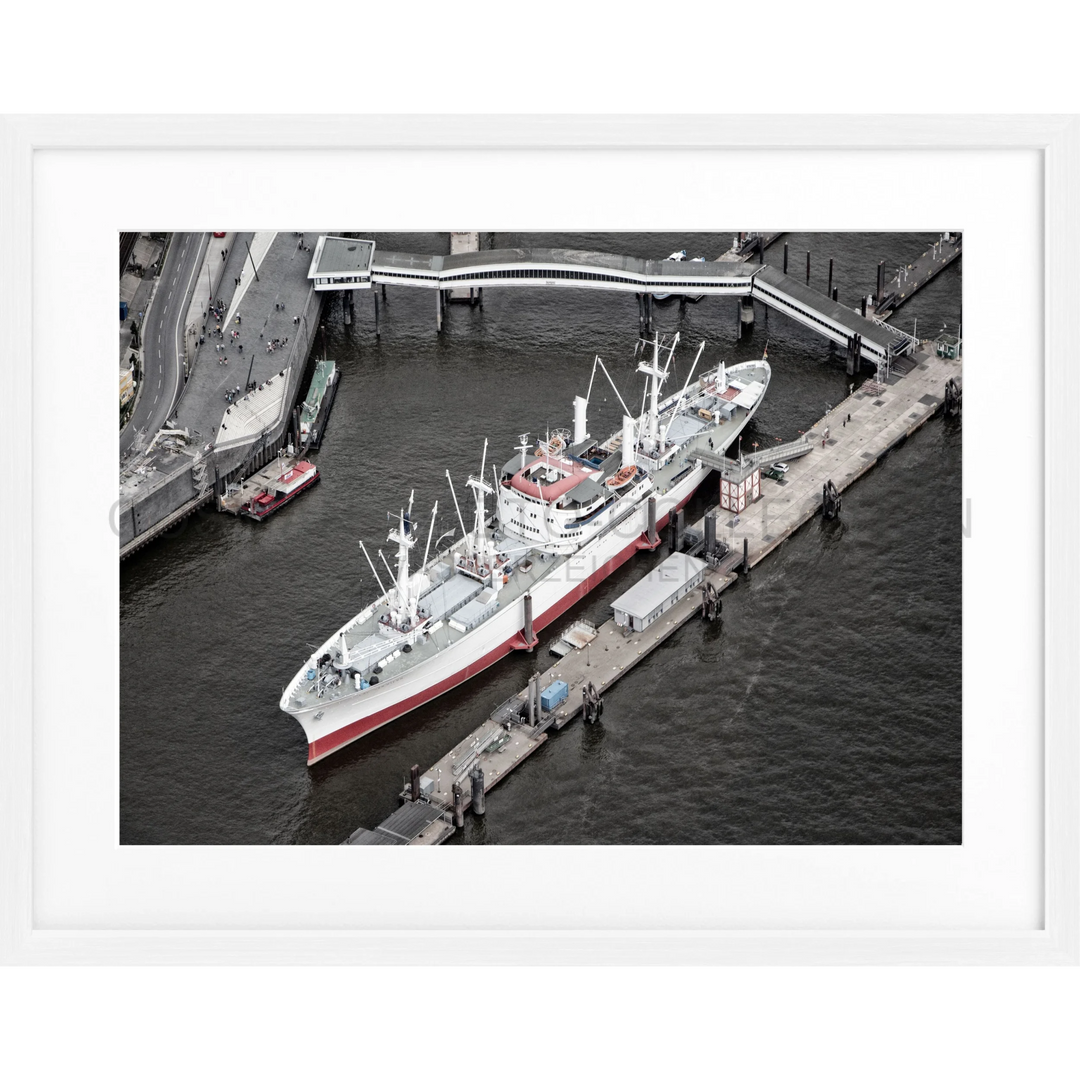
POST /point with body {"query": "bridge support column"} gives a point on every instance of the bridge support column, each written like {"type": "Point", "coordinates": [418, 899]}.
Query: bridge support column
{"type": "Point", "coordinates": [438, 310]}
{"type": "Point", "coordinates": [785, 256]}
{"type": "Point", "coordinates": [828, 291]}
{"type": "Point", "coordinates": [808, 268]}
{"type": "Point", "coordinates": [640, 313]}
{"type": "Point", "coordinates": [648, 312]}
{"type": "Point", "coordinates": [854, 355]}
{"type": "Point", "coordinates": [880, 283]}
{"type": "Point", "coordinates": [376, 294]}
{"type": "Point", "coordinates": [746, 310]}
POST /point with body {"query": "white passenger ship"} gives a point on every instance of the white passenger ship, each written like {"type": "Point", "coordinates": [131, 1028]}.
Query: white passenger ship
{"type": "Point", "coordinates": [569, 511]}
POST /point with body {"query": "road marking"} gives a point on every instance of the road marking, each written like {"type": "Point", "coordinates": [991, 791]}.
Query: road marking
{"type": "Point", "coordinates": [170, 294]}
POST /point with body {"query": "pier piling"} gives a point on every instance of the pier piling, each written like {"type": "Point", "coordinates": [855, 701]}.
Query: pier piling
{"type": "Point", "coordinates": [880, 282]}
{"type": "Point", "coordinates": [459, 805]}
{"type": "Point", "coordinates": [477, 778]}
{"type": "Point", "coordinates": [710, 536]}
{"type": "Point", "coordinates": [745, 556]}
{"type": "Point", "coordinates": [830, 501]}
{"type": "Point", "coordinates": [808, 268]}
{"type": "Point", "coordinates": [653, 540]}
{"type": "Point", "coordinates": [530, 637]}
{"type": "Point", "coordinates": [414, 783]}
{"type": "Point", "coordinates": [675, 530]}
{"type": "Point", "coordinates": [828, 291]}
{"type": "Point", "coordinates": [375, 293]}
{"type": "Point", "coordinates": [785, 256]}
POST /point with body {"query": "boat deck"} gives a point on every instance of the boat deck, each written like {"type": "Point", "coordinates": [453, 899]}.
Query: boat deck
{"type": "Point", "coordinates": [239, 495]}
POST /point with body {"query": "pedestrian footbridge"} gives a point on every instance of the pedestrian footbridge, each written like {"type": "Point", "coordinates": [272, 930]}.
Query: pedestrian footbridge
{"type": "Point", "coordinates": [344, 263]}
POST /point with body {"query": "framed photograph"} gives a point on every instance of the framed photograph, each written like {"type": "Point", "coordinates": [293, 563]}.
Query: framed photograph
{"type": "Point", "coordinates": [161, 833]}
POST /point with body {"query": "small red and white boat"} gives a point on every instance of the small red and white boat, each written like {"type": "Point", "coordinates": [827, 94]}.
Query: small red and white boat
{"type": "Point", "coordinates": [270, 488]}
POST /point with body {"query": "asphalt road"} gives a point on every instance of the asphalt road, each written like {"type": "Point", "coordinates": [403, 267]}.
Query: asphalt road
{"type": "Point", "coordinates": [163, 338]}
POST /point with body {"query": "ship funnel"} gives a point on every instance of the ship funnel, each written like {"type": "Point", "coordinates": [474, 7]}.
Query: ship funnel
{"type": "Point", "coordinates": [580, 423]}
{"type": "Point", "coordinates": [628, 454]}
{"type": "Point", "coordinates": [721, 377]}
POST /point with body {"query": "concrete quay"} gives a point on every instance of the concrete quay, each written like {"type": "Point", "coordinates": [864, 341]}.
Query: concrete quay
{"type": "Point", "coordinates": [882, 416]}
{"type": "Point", "coordinates": [163, 481]}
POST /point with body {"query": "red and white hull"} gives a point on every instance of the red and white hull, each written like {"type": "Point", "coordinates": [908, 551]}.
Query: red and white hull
{"type": "Point", "coordinates": [571, 578]}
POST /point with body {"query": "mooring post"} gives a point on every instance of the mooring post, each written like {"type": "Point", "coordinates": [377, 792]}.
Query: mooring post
{"type": "Point", "coordinates": [785, 256]}
{"type": "Point", "coordinates": [376, 295]}
{"type": "Point", "coordinates": [828, 291]}
{"type": "Point", "coordinates": [652, 521]}
{"type": "Point", "coordinates": [477, 778]}
{"type": "Point", "coordinates": [835, 295]}
{"type": "Point", "coordinates": [745, 556]}
{"type": "Point", "coordinates": [880, 282]}
{"type": "Point", "coordinates": [414, 783]}
{"type": "Point", "coordinates": [808, 268]}
{"type": "Point", "coordinates": [710, 535]}
{"type": "Point", "coordinates": [864, 307]}
{"type": "Point", "coordinates": [459, 805]}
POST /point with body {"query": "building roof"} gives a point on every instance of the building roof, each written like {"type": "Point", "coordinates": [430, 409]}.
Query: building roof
{"type": "Point", "coordinates": [341, 255]}
{"type": "Point", "coordinates": [651, 591]}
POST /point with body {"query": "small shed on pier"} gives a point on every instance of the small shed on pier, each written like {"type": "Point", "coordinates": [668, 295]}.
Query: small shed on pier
{"type": "Point", "coordinates": [642, 604]}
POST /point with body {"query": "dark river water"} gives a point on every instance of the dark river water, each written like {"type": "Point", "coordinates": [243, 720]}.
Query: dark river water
{"type": "Point", "coordinates": [825, 707]}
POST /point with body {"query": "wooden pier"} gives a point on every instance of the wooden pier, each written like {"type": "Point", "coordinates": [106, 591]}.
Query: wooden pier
{"type": "Point", "coordinates": [845, 444]}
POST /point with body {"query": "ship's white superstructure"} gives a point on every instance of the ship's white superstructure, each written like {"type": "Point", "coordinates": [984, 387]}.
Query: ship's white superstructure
{"type": "Point", "coordinates": [569, 510]}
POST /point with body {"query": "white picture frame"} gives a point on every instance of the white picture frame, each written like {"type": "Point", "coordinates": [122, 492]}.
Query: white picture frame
{"type": "Point", "coordinates": [1056, 139]}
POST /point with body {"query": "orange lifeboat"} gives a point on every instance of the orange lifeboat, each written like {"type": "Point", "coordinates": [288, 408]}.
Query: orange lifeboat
{"type": "Point", "coordinates": [623, 476]}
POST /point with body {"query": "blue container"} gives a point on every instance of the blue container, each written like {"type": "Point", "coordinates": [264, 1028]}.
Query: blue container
{"type": "Point", "coordinates": [554, 695]}
{"type": "Point", "coordinates": [123, 310]}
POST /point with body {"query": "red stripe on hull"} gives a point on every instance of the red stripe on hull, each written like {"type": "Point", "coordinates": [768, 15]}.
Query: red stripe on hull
{"type": "Point", "coordinates": [320, 748]}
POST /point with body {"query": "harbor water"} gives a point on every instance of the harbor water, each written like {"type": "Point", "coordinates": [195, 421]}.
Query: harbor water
{"type": "Point", "coordinates": [823, 708]}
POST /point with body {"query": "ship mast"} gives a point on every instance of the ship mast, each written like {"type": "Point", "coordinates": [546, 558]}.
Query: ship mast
{"type": "Point", "coordinates": [481, 488]}
{"type": "Point", "coordinates": [656, 377]}
{"type": "Point", "coordinates": [403, 606]}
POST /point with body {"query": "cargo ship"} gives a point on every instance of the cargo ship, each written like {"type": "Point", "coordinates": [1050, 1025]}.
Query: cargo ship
{"type": "Point", "coordinates": [569, 511]}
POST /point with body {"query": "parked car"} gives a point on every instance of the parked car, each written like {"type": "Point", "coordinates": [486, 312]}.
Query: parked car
{"type": "Point", "coordinates": [780, 466]}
